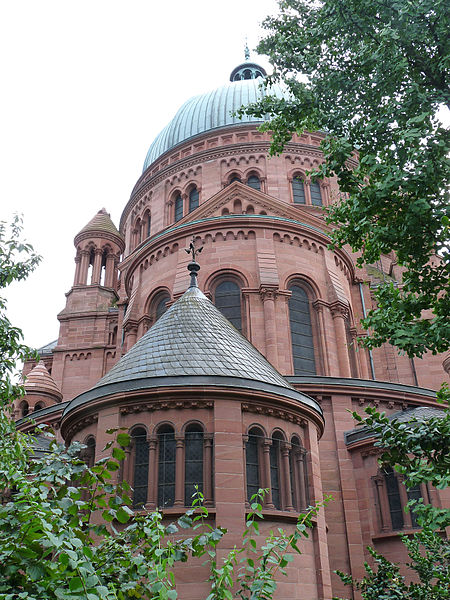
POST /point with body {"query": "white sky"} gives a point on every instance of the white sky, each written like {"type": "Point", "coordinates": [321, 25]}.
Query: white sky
{"type": "Point", "coordinates": [86, 86]}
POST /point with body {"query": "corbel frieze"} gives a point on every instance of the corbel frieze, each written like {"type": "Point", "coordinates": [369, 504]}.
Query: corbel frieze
{"type": "Point", "coordinates": [274, 412]}
{"type": "Point", "coordinates": [164, 405]}
{"type": "Point", "coordinates": [81, 424]}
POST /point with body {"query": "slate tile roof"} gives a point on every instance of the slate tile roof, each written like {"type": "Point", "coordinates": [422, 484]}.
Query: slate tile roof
{"type": "Point", "coordinates": [193, 338]}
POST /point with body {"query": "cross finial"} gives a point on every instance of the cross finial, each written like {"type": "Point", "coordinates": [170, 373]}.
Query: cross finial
{"type": "Point", "coordinates": [192, 249]}
{"type": "Point", "coordinates": [193, 266]}
{"type": "Point", "coordinates": [246, 51]}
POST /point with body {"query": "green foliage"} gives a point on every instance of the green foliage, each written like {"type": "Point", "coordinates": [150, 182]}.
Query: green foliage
{"type": "Point", "coordinates": [67, 531]}
{"type": "Point", "coordinates": [372, 75]}
{"type": "Point", "coordinates": [419, 449]}
{"type": "Point", "coordinates": [430, 560]}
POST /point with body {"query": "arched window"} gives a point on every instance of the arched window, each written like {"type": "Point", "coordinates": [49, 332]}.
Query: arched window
{"type": "Point", "coordinates": [301, 332]}
{"type": "Point", "coordinates": [24, 408]}
{"type": "Point", "coordinates": [140, 471]}
{"type": "Point", "coordinates": [252, 459]}
{"type": "Point", "coordinates": [393, 495]}
{"type": "Point", "coordinates": [166, 466]}
{"type": "Point", "coordinates": [193, 462]}
{"type": "Point", "coordinates": [227, 298]}
{"type": "Point", "coordinates": [39, 406]}
{"type": "Point", "coordinates": [178, 208]}
{"type": "Point", "coordinates": [254, 182]}
{"type": "Point", "coordinates": [234, 178]}
{"type": "Point", "coordinates": [275, 461]}
{"type": "Point", "coordinates": [316, 195]}
{"type": "Point", "coordinates": [147, 223]}
{"type": "Point", "coordinates": [298, 190]}
{"type": "Point", "coordinates": [298, 475]}
{"type": "Point", "coordinates": [193, 199]}
{"type": "Point", "coordinates": [88, 453]}
{"type": "Point", "coordinates": [161, 307]}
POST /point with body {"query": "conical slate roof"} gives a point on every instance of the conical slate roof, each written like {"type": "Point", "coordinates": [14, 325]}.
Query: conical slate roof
{"type": "Point", "coordinates": [193, 338]}
{"type": "Point", "coordinates": [39, 380]}
{"type": "Point", "coordinates": [192, 344]}
{"type": "Point", "coordinates": [99, 224]}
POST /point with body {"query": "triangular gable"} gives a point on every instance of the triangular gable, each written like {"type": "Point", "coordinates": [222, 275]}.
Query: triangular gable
{"type": "Point", "coordinates": [238, 198]}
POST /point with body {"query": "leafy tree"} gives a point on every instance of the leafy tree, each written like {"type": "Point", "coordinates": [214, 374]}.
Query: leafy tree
{"type": "Point", "coordinates": [67, 531]}
{"type": "Point", "coordinates": [419, 449]}
{"type": "Point", "coordinates": [373, 75]}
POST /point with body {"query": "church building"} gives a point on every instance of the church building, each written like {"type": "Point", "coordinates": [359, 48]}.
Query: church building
{"type": "Point", "coordinates": [238, 370]}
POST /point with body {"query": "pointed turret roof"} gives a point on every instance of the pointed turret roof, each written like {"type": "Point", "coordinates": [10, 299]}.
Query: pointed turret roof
{"type": "Point", "coordinates": [100, 224]}
{"type": "Point", "coordinates": [192, 344]}
{"type": "Point", "coordinates": [40, 381]}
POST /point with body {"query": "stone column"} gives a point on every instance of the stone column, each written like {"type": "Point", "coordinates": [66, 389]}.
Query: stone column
{"type": "Point", "coordinates": [340, 312]}
{"type": "Point", "coordinates": [318, 306]}
{"type": "Point", "coordinates": [267, 443]}
{"type": "Point", "coordinates": [383, 507]}
{"type": "Point", "coordinates": [179, 471]}
{"type": "Point", "coordinates": [268, 297]}
{"type": "Point", "coordinates": [301, 479]}
{"type": "Point", "coordinates": [77, 269]}
{"type": "Point", "coordinates": [152, 473]}
{"type": "Point", "coordinates": [109, 270]}
{"type": "Point", "coordinates": [207, 472]}
{"type": "Point", "coordinates": [285, 447]}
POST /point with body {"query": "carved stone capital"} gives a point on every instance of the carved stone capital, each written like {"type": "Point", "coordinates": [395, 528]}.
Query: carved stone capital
{"type": "Point", "coordinates": [339, 309]}
{"type": "Point", "coordinates": [268, 293]}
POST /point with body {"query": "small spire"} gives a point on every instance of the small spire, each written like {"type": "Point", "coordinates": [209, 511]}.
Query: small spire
{"type": "Point", "coordinates": [193, 266]}
{"type": "Point", "coordinates": [246, 51]}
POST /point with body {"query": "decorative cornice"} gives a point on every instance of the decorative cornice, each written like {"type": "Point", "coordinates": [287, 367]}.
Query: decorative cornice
{"type": "Point", "coordinates": [151, 406]}
{"type": "Point", "coordinates": [271, 411]}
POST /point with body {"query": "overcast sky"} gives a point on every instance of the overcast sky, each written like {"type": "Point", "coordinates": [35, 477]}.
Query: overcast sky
{"type": "Point", "coordinates": [86, 86]}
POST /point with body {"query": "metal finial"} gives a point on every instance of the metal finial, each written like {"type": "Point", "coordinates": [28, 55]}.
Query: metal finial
{"type": "Point", "coordinates": [193, 266]}
{"type": "Point", "coordinates": [246, 51]}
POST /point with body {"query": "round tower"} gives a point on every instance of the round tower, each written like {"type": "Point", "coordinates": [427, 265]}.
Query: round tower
{"type": "Point", "coordinates": [41, 392]}
{"type": "Point", "coordinates": [206, 409]}
{"type": "Point", "coordinates": [99, 247]}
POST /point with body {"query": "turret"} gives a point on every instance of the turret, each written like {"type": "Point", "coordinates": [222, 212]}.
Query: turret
{"type": "Point", "coordinates": [99, 246]}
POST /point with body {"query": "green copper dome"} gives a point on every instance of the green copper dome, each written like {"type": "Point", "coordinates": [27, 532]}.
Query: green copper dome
{"type": "Point", "coordinates": [213, 110]}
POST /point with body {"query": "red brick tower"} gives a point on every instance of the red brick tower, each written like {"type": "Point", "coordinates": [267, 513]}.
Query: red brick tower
{"type": "Point", "coordinates": [86, 347]}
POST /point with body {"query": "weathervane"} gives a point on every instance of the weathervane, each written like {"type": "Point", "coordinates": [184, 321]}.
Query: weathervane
{"type": "Point", "coordinates": [246, 51]}
{"type": "Point", "coordinates": [193, 266]}
{"type": "Point", "coordinates": [193, 250]}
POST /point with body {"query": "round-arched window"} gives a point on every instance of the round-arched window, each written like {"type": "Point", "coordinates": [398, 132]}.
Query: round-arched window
{"type": "Point", "coordinates": [301, 332]}
{"type": "Point", "coordinates": [227, 298]}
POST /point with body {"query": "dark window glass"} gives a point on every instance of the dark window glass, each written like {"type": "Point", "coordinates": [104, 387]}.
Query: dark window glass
{"type": "Point", "coordinates": [298, 191]}
{"type": "Point", "coordinates": [393, 494]}
{"type": "Point", "coordinates": [193, 199]}
{"type": "Point", "coordinates": [235, 178]}
{"type": "Point", "coordinates": [414, 493]}
{"type": "Point", "coordinates": [274, 454]}
{"type": "Point", "coordinates": [301, 332]}
{"type": "Point", "coordinates": [254, 182]}
{"type": "Point", "coordinates": [161, 307]}
{"type": "Point", "coordinates": [228, 301]}
{"type": "Point", "coordinates": [252, 465]}
{"type": "Point", "coordinates": [193, 475]}
{"type": "Point", "coordinates": [149, 224]}
{"type": "Point", "coordinates": [88, 453]}
{"type": "Point", "coordinates": [166, 468]}
{"type": "Point", "coordinates": [316, 195]}
{"type": "Point", "coordinates": [140, 477]}
{"type": "Point", "coordinates": [178, 208]}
